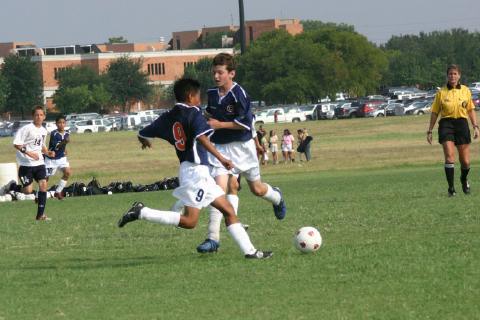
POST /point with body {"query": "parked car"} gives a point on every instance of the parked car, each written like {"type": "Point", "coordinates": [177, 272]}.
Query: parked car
{"type": "Point", "coordinates": [378, 111]}
{"type": "Point", "coordinates": [421, 110]}
{"type": "Point", "coordinates": [82, 116]}
{"type": "Point", "coordinates": [6, 129]}
{"type": "Point", "coordinates": [394, 109]}
{"type": "Point", "coordinates": [366, 106]}
{"type": "Point", "coordinates": [89, 126]}
{"type": "Point", "coordinates": [288, 114]}
{"type": "Point", "coordinates": [326, 111]}
{"type": "Point", "coordinates": [18, 124]}
{"type": "Point", "coordinates": [409, 108]}
{"type": "Point", "coordinates": [130, 122]}
{"type": "Point", "coordinates": [310, 111]}
{"type": "Point", "coordinates": [345, 110]}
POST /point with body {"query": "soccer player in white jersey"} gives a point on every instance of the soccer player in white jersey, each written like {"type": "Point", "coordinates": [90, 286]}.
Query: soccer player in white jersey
{"type": "Point", "coordinates": [58, 143]}
{"type": "Point", "coordinates": [29, 142]}
{"type": "Point", "coordinates": [185, 128]}
{"type": "Point", "coordinates": [231, 117]}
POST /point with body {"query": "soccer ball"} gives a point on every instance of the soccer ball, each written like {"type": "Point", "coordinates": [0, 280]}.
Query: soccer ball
{"type": "Point", "coordinates": [307, 239]}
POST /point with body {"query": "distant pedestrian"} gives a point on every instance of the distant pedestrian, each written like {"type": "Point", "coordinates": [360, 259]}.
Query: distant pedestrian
{"type": "Point", "coordinates": [300, 148]}
{"type": "Point", "coordinates": [273, 146]}
{"type": "Point", "coordinates": [454, 103]}
{"type": "Point", "coordinates": [287, 146]}
{"type": "Point", "coordinates": [306, 142]}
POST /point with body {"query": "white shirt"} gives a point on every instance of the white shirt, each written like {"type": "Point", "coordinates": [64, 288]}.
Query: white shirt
{"type": "Point", "coordinates": [33, 139]}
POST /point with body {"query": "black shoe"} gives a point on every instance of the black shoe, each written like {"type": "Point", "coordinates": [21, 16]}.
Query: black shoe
{"type": "Point", "coordinates": [465, 186]}
{"type": "Point", "coordinates": [259, 255]}
{"type": "Point", "coordinates": [451, 192]}
{"type": "Point", "coordinates": [131, 215]}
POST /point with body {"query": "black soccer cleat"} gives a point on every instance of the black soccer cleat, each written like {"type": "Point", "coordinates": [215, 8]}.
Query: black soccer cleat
{"type": "Point", "coordinates": [451, 192]}
{"type": "Point", "coordinates": [259, 255]}
{"type": "Point", "coordinates": [131, 215]}
{"type": "Point", "coordinates": [465, 186]}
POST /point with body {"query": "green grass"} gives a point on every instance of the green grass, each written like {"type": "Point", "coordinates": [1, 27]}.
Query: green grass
{"type": "Point", "coordinates": [395, 247]}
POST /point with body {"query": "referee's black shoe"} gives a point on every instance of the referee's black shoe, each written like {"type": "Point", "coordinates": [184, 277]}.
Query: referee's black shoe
{"type": "Point", "coordinates": [465, 186]}
{"type": "Point", "coordinates": [451, 192]}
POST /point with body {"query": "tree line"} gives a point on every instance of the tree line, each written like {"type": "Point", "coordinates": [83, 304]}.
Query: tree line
{"type": "Point", "coordinates": [277, 68]}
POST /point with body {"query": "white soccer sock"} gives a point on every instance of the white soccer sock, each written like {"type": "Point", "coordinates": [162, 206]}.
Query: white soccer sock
{"type": "Point", "coordinates": [61, 185]}
{"type": "Point", "coordinates": [162, 217]}
{"type": "Point", "coordinates": [241, 238]}
{"type": "Point", "coordinates": [214, 221]}
{"type": "Point", "coordinates": [272, 196]}
{"type": "Point", "coordinates": [178, 207]}
{"type": "Point", "coordinates": [233, 199]}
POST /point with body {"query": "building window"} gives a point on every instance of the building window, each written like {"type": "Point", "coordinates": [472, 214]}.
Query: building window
{"type": "Point", "coordinates": [250, 31]}
{"type": "Point", "coordinates": [178, 44]}
{"type": "Point", "coordinates": [156, 68]}
{"type": "Point", "coordinates": [56, 72]}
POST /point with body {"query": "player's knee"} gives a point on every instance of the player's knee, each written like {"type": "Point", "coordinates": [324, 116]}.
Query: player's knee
{"type": "Point", "coordinates": [257, 189]}
{"type": "Point", "coordinates": [189, 222]}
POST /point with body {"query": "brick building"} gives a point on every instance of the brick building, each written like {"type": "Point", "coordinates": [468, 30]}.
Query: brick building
{"type": "Point", "coordinates": [163, 66]}
{"type": "Point", "coordinates": [253, 29]}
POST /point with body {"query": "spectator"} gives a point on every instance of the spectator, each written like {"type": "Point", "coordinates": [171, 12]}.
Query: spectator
{"type": "Point", "coordinates": [273, 146]}
{"type": "Point", "coordinates": [300, 149]}
{"type": "Point", "coordinates": [287, 146]}
{"type": "Point", "coordinates": [304, 145]}
{"type": "Point", "coordinates": [264, 144]}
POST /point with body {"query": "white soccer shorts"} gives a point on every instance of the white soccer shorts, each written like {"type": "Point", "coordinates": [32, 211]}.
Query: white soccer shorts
{"type": "Point", "coordinates": [244, 158]}
{"type": "Point", "coordinates": [197, 187]}
{"type": "Point", "coordinates": [52, 165]}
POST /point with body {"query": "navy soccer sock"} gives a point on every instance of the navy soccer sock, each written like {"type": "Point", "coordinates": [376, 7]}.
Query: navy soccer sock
{"type": "Point", "coordinates": [42, 201]}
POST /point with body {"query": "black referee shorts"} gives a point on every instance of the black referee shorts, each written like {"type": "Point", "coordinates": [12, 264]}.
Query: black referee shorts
{"type": "Point", "coordinates": [455, 130]}
{"type": "Point", "coordinates": [28, 174]}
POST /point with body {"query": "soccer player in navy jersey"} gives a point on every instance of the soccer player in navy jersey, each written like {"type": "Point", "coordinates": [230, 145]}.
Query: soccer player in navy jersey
{"type": "Point", "coordinates": [58, 142]}
{"type": "Point", "coordinates": [232, 119]}
{"type": "Point", "coordinates": [186, 129]}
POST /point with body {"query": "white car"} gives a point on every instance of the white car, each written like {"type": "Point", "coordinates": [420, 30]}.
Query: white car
{"type": "Point", "coordinates": [292, 114]}
{"type": "Point", "coordinates": [89, 126]}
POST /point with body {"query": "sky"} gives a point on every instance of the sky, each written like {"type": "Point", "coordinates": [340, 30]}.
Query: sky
{"type": "Point", "coordinates": [65, 22]}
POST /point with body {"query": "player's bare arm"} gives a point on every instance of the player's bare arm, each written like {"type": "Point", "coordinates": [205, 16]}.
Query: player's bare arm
{"type": "Point", "coordinates": [215, 124]}
{"type": "Point", "coordinates": [211, 148]}
{"type": "Point", "coordinates": [23, 150]}
{"type": "Point", "coordinates": [145, 143]}
{"type": "Point", "coordinates": [47, 152]}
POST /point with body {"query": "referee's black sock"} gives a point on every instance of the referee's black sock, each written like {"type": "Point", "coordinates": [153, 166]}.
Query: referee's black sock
{"type": "Point", "coordinates": [464, 175]}
{"type": "Point", "coordinates": [42, 200]}
{"type": "Point", "coordinates": [450, 174]}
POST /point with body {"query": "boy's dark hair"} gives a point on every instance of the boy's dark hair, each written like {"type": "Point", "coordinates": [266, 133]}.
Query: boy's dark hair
{"type": "Point", "coordinates": [184, 87]}
{"type": "Point", "coordinates": [37, 108]}
{"type": "Point", "coordinates": [454, 67]}
{"type": "Point", "coordinates": [225, 59]}
{"type": "Point", "coordinates": [60, 117]}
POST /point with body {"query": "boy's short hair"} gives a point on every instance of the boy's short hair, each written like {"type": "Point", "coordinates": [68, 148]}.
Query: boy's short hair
{"type": "Point", "coordinates": [225, 59]}
{"type": "Point", "coordinates": [184, 87]}
{"type": "Point", "coordinates": [454, 67]}
{"type": "Point", "coordinates": [37, 108]}
{"type": "Point", "coordinates": [60, 117]}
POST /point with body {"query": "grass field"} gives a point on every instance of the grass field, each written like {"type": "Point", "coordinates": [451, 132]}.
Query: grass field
{"type": "Point", "coordinates": [395, 247]}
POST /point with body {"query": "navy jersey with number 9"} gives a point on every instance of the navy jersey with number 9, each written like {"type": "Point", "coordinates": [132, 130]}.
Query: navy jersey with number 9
{"type": "Point", "coordinates": [181, 127]}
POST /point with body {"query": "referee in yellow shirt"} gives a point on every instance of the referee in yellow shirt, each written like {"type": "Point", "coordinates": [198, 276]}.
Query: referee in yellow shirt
{"type": "Point", "coordinates": [454, 103]}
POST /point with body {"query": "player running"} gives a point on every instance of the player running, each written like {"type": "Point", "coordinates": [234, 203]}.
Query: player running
{"type": "Point", "coordinates": [30, 144]}
{"type": "Point", "coordinates": [186, 129]}
{"type": "Point", "coordinates": [58, 142]}
{"type": "Point", "coordinates": [230, 115]}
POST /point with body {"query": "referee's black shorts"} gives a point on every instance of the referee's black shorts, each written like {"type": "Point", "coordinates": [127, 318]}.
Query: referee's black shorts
{"type": "Point", "coordinates": [456, 130]}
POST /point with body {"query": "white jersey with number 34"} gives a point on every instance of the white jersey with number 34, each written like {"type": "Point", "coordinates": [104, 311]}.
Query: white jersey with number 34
{"type": "Point", "coordinates": [33, 139]}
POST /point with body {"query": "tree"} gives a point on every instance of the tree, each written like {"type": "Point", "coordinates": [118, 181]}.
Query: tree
{"type": "Point", "coordinates": [311, 25]}
{"type": "Point", "coordinates": [120, 39]}
{"type": "Point", "coordinates": [126, 81]}
{"type": "Point", "coordinates": [422, 59]}
{"type": "Point", "coordinates": [202, 72]}
{"type": "Point", "coordinates": [24, 83]}
{"type": "Point", "coordinates": [4, 90]}
{"type": "Point", "coordinates": [81, 89]}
